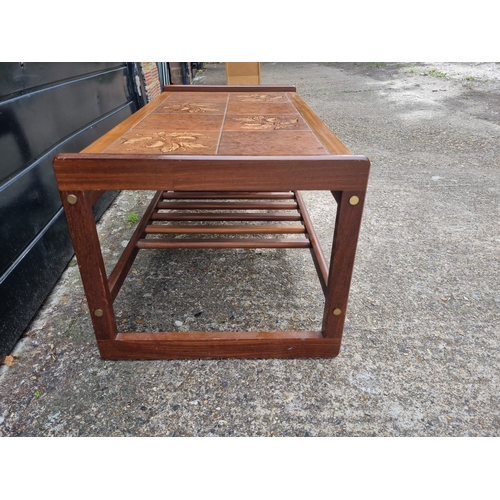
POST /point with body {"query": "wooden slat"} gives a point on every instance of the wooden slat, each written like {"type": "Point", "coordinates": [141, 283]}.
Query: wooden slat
{"type": "Point", "coordinates": [221, 216]}
{"type": "Point", "coordinates": [226, 229]}
{"type": "Point", "coordinates": [205, 205]}
{"type": "Point", "coordinates": [229, 195]}
{"type": "Point", "coordinates": [122, 267]}
{"type": "Point", "coordinates": [209, 336]}
{"type": "Point", "coordinates": [160, 243]}
{"type": "Point", "coordinates": [316, 251]}
{"type": "Point", "coordinates": [200, 345]}
{"type": "Point", "coordinates": [322, 132]}
{"type": "Point", "coordinates": [229, 88]}
{"type": "Point", "coordinates": [211, 173]}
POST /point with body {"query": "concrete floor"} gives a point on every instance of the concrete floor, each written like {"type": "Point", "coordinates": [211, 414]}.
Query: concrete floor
{"type": "Point", "coordinates": [420, 355]}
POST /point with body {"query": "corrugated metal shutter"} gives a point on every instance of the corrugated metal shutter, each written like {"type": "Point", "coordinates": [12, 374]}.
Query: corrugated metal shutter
{"type": "Point", "coordinates": [46, 109]}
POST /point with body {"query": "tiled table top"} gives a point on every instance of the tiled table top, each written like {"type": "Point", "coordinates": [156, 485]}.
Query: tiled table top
{"type": "Point", "coordinates": [221, 123]}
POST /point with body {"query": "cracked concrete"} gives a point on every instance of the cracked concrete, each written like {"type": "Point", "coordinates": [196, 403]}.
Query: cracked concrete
{"type": "Point", "coordinates": [420, 355]}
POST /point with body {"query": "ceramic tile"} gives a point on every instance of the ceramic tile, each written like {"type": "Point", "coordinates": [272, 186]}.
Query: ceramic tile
{"type": "Point", "coordinates": [180, 122]}
{"type": "Point", "coordinates": [160, 142]}
{"type": "Point", "coordinates": [270, 143]}
{"type": "Point", "coordinates": [211, 97]}
{"type": "Point", "coordinates": [192, 107]}
{"type": "Point", "coordinates": [261, 108]}
{"type": "Point", "coordinates": [265, 122]}
{"type": "Point", "coordinates": [260, 97]}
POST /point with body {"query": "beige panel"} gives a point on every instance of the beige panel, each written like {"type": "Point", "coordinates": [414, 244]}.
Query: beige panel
{"type": "Point", "coordinates": [243, 73]}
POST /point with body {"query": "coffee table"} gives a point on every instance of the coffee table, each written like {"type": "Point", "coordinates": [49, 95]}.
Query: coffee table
{"type": "Point", "coordinates": [223, 160]}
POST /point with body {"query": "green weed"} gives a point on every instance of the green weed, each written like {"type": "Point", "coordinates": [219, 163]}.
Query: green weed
{"type": "Point", "coordinates": [435, 73]}
{"type": "Point", "coordinates": [37, 394]}
{"type": "Point", "coordinates": [132, 218]}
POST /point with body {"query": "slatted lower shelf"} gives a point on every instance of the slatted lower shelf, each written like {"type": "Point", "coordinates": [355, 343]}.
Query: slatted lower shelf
{"type": "Point", "coordinates": [191, 208]}
{"type": "Point", "coordinates": [273, 220]}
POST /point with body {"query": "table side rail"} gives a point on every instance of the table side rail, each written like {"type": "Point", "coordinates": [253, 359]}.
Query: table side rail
{"type": "Point", "coordinates": [211, 173]}
{"type": "Point", "coordinates": [230, 88]}
{"type": "Point", "coordinates": [331, 142]}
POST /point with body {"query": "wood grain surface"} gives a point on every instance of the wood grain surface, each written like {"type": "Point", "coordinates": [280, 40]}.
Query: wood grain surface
{"type": "Point", "coordinates": [219, 345]}
{"type": "Point", "coordinates": [211, 173]}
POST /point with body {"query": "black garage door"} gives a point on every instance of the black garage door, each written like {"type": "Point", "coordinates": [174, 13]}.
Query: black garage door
{"type": "Point", "coordinates": [46, 109]}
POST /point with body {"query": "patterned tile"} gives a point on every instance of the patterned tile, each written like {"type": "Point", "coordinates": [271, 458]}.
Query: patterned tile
{"type": "Point", "coordinates": [180, 122]}
{"type": "Point", "coordinates": [265, 122]}
{"type": "Point", "coordinates": [155, 142]}
{"type": "Point", "coordinates": [260, 107]}
{"type": "Point", "coordinates": [259, 97]}
{"type": "Point", "coordinates": [206, 97]}
{"type": "Point", "coordinates": [270, 143]}
{"type": "Point", "coordinates": [214, 108]}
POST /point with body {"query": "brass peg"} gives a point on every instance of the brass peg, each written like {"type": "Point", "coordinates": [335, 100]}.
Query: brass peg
{"type": "Point", "coordinates": [72, 199]}
{"type": "Point", "coordinates": [353, 200]}
{"type": "Point", "coordinates": [337, 312]}
{"type": "Point", "coordinates": [98, 312]}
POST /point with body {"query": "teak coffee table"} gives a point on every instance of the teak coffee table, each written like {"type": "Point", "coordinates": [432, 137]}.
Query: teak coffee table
{"type": "Point", "coordinates": [236, 155]}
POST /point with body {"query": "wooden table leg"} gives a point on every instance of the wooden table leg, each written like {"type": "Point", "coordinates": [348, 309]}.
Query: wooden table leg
{"type": "Point", "coordinates": [83, 232]}
{"type": "Point", "coordinates": [345, 239]}
{"type": "Point", "coordinates": [169, 345]}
